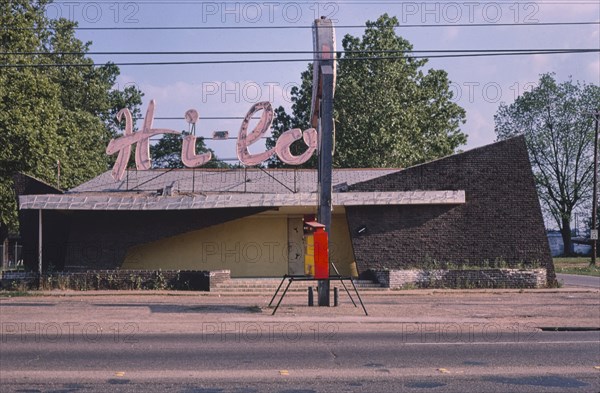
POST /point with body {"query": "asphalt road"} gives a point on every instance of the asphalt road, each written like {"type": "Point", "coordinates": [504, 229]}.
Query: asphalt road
{"type": "Point", "coordinates": [572, 280]}
{"type": "Point", "coordinates": [258, 358]}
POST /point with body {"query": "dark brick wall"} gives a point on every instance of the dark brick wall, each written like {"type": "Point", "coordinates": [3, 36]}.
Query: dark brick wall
{"type": "Point", "coordinates": [100, 239]}
{"type": "Point", "coordinates": [191, 280]}
{"type": "Point", "coordinates": [460, 279]}
{"type": "Point", "coordinates": [501, 218]}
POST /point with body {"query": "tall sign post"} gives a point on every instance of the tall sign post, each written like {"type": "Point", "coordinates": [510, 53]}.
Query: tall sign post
{"type": "Point", "coordinates": [324, 75]}
{"type": "Point", "coordinates": [594, 231]}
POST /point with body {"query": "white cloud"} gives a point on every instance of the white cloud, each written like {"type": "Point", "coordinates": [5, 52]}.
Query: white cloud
{"type": "Point", "coordinates": [540, 63]}
{"type": "Point", "coordinates": [563, 11]}
{"type": "Point", "coordinates": [182, 94]}
{"type": "Point", "coordinates": [594, 71]}
{"type": "Point", "coordinates": [450, 34]}
{"type": "Point", "coordinates": [480, 129]}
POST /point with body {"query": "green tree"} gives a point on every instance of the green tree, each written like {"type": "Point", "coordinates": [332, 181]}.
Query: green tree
{"type": "Point", "coordinates": [388, 112]}
{"type": "Point", "coordinates": [167, 152]}
{"type": "Point", "coordinates": [129, 97]}
{"type": "Point", "coordinates": [560, 139]}
{"type": "Point", "coordinates": [50, 113]}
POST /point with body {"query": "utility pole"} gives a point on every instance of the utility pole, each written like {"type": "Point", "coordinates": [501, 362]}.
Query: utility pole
{"type": "Point", "coordinates": [326, 170]}
{"type": "Point", "coordinates": [322, 119]}
{"type": "Point", "coordinates": [594, 231]}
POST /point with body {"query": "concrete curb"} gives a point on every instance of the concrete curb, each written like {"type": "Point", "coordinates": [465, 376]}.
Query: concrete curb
{"type": "Point", "coordinates": [383, 292]}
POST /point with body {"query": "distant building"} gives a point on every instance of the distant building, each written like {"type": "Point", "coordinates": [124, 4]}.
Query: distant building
{"type": "Point", "coordinates": [557, 247]}
{"type": "Point", "coordinates": [556, 244]}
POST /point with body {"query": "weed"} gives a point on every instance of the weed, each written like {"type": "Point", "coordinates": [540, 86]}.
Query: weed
{"type": "Point", "coordinates": [16, 293]}
{"type": "Point", "coordinates": [159, 281]}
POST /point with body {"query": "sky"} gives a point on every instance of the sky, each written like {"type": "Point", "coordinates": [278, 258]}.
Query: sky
{"type": "Point", "coordinates": [228, 90]}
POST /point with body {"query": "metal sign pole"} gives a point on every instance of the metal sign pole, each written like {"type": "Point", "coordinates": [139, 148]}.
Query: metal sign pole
{"type": "Point", "coordinates": [322, 118]}
{"type": "Point", "coordinates": [594, 231]}
{"type": "Point", "coordinates": [326, 167]}
{"type": "Point", "coordinates": [40, 248]}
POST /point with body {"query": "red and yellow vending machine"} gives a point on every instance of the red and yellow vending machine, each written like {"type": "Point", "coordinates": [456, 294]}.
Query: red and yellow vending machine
{"type": "Point", "coordinates": [316, 256]}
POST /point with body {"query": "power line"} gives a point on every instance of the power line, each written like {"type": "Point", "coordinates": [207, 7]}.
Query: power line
{"type": "Point", "coordinates": [251, 61]}
{"type": "Point", "coordinates": [292, 27]}
{"type": "Point", "coordinates": [310, 2]}
{"type": "Point", "coordinates": [201, 118]}
{"type": "Point", "coordinates": [237, 53]}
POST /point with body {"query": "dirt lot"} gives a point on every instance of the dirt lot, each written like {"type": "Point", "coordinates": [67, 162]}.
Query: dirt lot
{"type": "Point", "coordinates": [156, 312]}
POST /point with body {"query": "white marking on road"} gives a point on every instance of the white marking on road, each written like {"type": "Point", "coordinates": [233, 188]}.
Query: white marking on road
{"type": "Point", "coordinates": [506, 343]}
{"type": "Point", "coordinates": [17, 376]}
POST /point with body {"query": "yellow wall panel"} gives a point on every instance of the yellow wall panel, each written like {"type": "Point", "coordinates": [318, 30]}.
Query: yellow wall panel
{"type": "Point", "coordinates": [249, 247]}
{"type": "Point", "coordinates": [340, 249]}
{"type": "Point", "coordinates": [254, 246]}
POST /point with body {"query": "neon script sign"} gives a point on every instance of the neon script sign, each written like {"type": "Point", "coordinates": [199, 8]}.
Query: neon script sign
{"type": "Point", "coordinates": [141, 139]}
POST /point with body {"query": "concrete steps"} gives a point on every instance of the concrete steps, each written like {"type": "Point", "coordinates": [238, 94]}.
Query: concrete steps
{"type": "Point", "coordinates": [269, 285]}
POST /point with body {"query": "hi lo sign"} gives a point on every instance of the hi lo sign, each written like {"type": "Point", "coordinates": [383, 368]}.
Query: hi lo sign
{"type": "Point", "coordinates": [190, 159]}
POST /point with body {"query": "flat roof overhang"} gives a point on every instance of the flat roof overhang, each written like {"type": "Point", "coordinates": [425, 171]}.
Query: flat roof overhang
{"type": "Point", "coordinates": [116, 201]}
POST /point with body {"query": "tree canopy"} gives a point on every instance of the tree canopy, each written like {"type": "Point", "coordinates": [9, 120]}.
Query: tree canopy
{"type": "Point", "coordinates": [555, 119]}
{"type": "Point", "coordinates": [166, 153]}
{"type": "Point", "coordinates": [50, 113]}
{"type": "Point", "coordinates": [388, 111]}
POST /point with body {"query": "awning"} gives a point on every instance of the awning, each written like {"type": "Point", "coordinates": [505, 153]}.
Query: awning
{"type": "Point", "coordinates": [129, 201]}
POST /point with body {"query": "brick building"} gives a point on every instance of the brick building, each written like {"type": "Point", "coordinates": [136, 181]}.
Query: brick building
{"type": "Point", "coordinates": [468, 209]}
